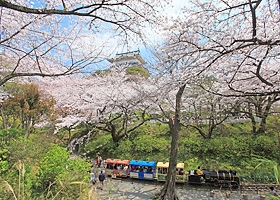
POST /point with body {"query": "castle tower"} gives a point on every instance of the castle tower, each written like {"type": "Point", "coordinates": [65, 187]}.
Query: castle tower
{"type": "Point", "coordinates": [131, 59]}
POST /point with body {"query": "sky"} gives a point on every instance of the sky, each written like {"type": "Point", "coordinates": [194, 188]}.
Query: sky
{"type": "Point", "coordinates": [171, 11]}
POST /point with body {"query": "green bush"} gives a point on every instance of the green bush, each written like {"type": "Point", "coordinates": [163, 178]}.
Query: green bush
{"type": "Point", "coordinates": [266, 146]}
{"type": "Point", "coordinates": [57, 173]}
{"type": "Point", "coordinates": [39, 169]}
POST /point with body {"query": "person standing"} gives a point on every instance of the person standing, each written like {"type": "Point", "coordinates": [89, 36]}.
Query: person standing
{"type": "Point", "coordinates": [101, 178]}
{"type": "Point", "coordinates": [92, 178]}
{"type": "Point", "coordinates": [97, 159]}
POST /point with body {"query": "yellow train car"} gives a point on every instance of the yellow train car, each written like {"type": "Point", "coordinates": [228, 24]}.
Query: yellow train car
{"type": "Point", "coordinates": [162, 169]}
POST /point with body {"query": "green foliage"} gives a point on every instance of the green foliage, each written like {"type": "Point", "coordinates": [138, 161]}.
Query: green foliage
{"type": "Point", "coordinates": [213, 152]}
{"type": "Point", "coordinates": [22, 158]}
{"type": "Point", "coordinates": [30, 162]}
{"type": "Point", "coordinates": [151, 147]}
{"type": "Point", "coordinates": [7, 136]}
{"type": "Point", "coordinates": [271, 197]}
{"type": "Point", "coordinates": [267, 146]}
{"type": "Point", "coordinates": [52, 165]}
{"type": "Point", "coordinates": [192, 163]}
{"type": "Point", "coordinates": [137, 70]}
{"type": "Point", "coordinates": [132, 148]}
{"type": "Point", "coordinates": [189, 147]}
{"type": "Point", "coordinates": [100, 72]}
{"type": "Point", "coordinates": [28, 150]}
{"type": "Point", "coordinates": [26, 106]}
{"type": "Point", "coordinates": [123, 151]}
{"type": "Point", "coordinates": [57, 171]}
{"type": "Point", "coordinates": [257, 176]}
{"type": "Point", "coordinates": [102, 143]}
{"type": "Point", "coordinates": [269, 165]}
{"type": "Point", "coordinates": [234, 129]}
{"type": "Point", "coordinates": [4, 165]}
{"type": "Point", "coordinates": [134, 70]}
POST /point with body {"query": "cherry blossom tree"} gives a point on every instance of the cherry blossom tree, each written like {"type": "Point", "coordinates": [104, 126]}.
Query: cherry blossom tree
{"type": "Point", "coordinates": [260, 107]}
{"type": "Point", "coordinates": [172, 81]}
{"type": "Point", "coordinates": [205, 111]}
{"type": "Point", "coordinates": [168, 191]}
{"type": "Point", "coordinates": [236, 42]}
{"type": "Point", "coordinates": [112, 101]}
{"type": "Point", "coordinates": [205, 106]}
{"type": "Point", "coordinates": [55, 38]}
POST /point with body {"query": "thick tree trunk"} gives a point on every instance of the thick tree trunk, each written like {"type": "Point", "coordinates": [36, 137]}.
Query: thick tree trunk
{"type": "Point", "coordinates": [168, 192]}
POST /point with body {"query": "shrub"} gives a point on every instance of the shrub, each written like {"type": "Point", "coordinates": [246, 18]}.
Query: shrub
{"type": "Point", "coordinates": [57, 173]}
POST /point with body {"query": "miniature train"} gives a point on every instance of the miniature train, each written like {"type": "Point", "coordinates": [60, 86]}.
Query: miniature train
{"type": "Point", "coordinates": [143, 170]}
{"type": "Point", "coordinates": [215, 178]}
{"type": "Point", "coordinates": [150, 170]}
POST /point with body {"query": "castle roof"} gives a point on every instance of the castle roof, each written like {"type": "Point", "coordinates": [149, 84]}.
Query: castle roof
{"type": "Point", "coordinates": [127, 56]}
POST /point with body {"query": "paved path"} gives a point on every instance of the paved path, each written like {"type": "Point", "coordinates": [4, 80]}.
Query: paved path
{"type": "Point", "coordinates": [131, 189]}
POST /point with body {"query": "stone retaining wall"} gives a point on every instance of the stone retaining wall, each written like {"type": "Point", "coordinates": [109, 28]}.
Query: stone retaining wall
{"type": "Point", "coordinates": [258, 188]}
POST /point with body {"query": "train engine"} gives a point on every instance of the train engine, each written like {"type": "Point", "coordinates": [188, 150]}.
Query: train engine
{"type": "Point", "coordinates": [215, 178]}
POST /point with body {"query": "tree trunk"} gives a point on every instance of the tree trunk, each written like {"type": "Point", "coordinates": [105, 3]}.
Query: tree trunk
{"type": "Point", "coordinates": [253, 121]}
{"type": "Point", "coordinates": [5, 124]}
{"type": "Point", "coordinates": [265, 113]}
{"type": "Point", "coordinates": [168, 192]}
{"type": "Point", "coordinates": [262, 107]}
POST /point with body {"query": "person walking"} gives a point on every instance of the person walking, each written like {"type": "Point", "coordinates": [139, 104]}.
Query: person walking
{"type": "Point", "coordinates": [101, 178]}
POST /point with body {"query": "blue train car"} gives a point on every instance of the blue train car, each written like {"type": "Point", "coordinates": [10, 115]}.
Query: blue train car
{"type": "Point", "coordinates": [140, 169]}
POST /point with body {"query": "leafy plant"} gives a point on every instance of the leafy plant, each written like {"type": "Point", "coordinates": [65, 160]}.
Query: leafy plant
{"type": "Point", "coordinates": [271, 197]}
{"type": "Point", "coordinates": [57, 172]}
{"type": "Point", "coordinates": [270, 164]}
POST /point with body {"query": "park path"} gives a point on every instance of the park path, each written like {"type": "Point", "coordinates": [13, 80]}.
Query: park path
{"type": "Point", "coordinates": [131, 189]}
